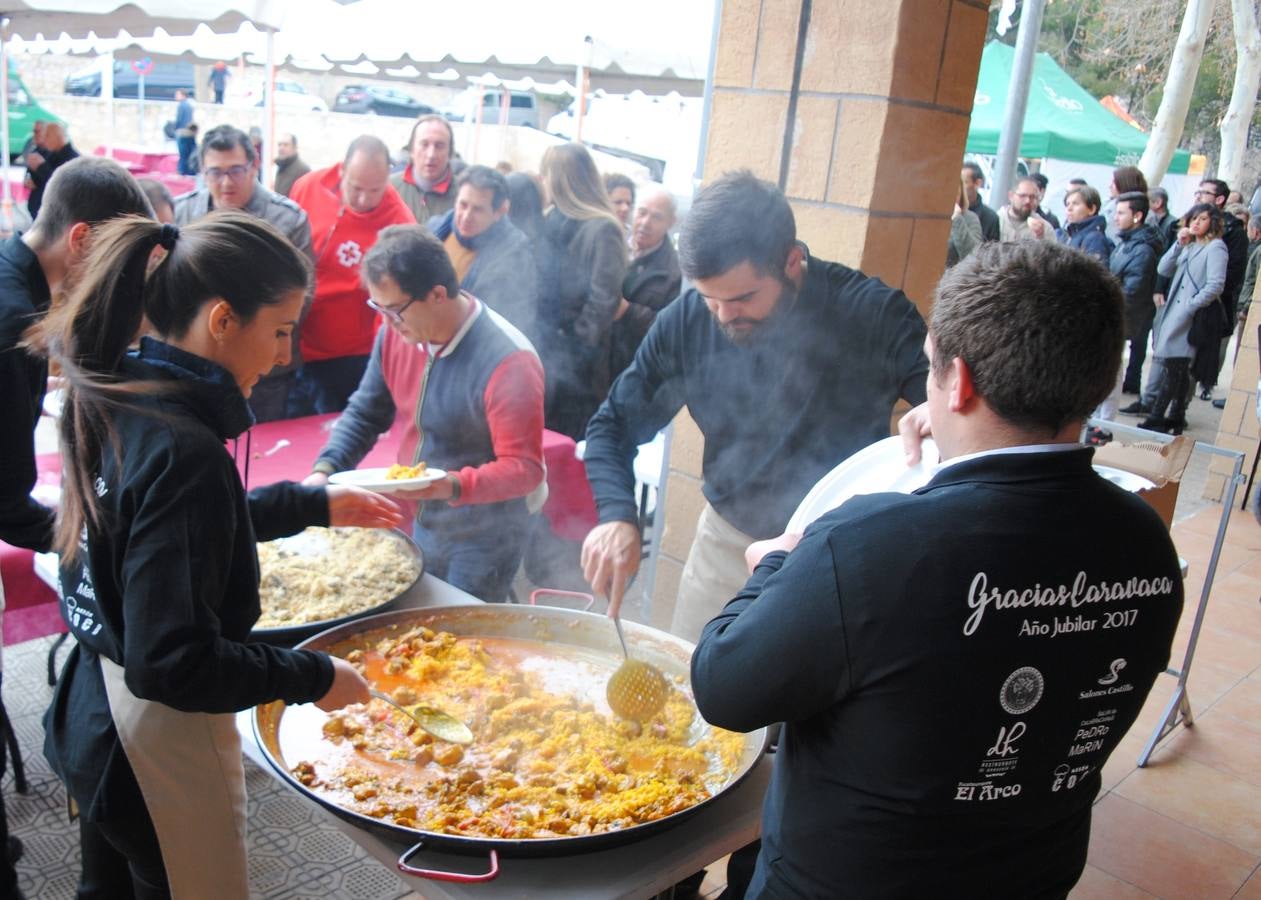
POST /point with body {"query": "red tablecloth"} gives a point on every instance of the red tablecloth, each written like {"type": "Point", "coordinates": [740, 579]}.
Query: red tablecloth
{"type": "Point", "coordinates": [143, 159]}
{"type": "Point", "coordinates": [278, 451]}
{"type": "Point", "coordinates": [176, 184]}
{"type": "Point", "coordinates": [30, 605]}
{"type": "Point", "coordinates": [17, 185]}
{"type": "Point", "coordinates": [286, 449]}
{"type": "Point", "coordinates": [570, 508]}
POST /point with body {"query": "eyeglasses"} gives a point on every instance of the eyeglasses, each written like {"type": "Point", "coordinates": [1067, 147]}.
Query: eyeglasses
{"type": "Point", "coordinates": [236, 173]}
{"type": "Point", "coordinates": [1206, 193]}
{"type": "Point", "coordinates": [394, 315]}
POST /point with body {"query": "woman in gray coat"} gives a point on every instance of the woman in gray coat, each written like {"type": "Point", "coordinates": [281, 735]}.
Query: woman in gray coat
{"type": "Point", "coordinates": [1197, 262]}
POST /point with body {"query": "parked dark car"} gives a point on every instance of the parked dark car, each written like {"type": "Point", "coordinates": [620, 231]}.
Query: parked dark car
{"type": "Point", "coordinates": [382, 101]}
{"type": "Point", "coordinates": [522, 107]}
{"type": "Point", "coordinates": [160, 84]}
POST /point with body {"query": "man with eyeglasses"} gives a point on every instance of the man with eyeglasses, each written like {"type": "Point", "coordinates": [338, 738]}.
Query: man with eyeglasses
{"type": "Point", "coordinates": [462, 390]}
{"type": "Point", "coordinates": [229, 165]}
{"type": "Point", "coordinates": [1018, 220]}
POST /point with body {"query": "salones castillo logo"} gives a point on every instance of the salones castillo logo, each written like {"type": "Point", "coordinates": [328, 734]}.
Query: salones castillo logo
{"type": "Point", "coordinates": [1113, 672]}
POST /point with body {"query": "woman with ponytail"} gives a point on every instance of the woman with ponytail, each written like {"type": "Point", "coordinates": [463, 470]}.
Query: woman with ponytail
{"type": "Point", "coordinates": [157, 539]}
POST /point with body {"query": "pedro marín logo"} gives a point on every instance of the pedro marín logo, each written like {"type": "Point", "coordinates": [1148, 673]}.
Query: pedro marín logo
{"type": "Point", "coordinates": [1021, 691]}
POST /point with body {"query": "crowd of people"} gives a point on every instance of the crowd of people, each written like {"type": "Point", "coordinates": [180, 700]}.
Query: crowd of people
{"type": "Point", "coordinates": [465, 309]}
{"type": "Point", "coordinates": [1185, 279]}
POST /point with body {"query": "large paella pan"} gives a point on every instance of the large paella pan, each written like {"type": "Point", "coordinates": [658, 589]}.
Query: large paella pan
{"type": "Point", "coordinates": [514, 790]}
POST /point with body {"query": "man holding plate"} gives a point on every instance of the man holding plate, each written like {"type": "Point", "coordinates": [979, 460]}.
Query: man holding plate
{"type": "Point", "coordinates": [955, 666]}
{"type": "Point", "coordinates": [462, 389]}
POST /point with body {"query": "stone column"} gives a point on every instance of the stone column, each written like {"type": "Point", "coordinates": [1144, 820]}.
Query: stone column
{"type": "Point", "coordinates": [874, 147]}
{"type": "Point", "coordinates": [1237, 428]}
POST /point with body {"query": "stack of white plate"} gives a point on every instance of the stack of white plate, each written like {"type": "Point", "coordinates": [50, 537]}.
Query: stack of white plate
{"type": "Point", "coordinates": [881, 468]}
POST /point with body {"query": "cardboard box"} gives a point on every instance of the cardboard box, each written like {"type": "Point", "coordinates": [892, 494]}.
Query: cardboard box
{"type": "Point", "coordinates": [1161, 463]}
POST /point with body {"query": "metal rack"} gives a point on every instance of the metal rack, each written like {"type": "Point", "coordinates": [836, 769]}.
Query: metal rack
{"type": "Point", "coordinates": [1178, 709]}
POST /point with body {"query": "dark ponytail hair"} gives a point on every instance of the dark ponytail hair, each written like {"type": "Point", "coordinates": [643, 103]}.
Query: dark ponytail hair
{"type": "Point", "coordinates": [228, 254]}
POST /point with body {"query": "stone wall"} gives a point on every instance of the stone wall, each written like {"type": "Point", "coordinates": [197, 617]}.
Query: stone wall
{"type": "Point", "coordinates": [875, 149]}
{"type": "Point", "coordinates": [322, 137]}
{"type": "Point", "coordinates": [1237, 428]}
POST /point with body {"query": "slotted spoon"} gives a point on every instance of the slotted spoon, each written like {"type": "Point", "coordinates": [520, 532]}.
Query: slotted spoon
{"type": "Point", "coordinates": [637, 690]}
{"type": "Point", "coordinates": [441, 725]}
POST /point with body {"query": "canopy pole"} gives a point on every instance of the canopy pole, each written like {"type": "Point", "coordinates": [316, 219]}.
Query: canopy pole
{"type": "Point", "coordinates": [480, 84]}
{"type": "Point", "coordinates": [107, 94]}
{"type": "Point", "coordinates": [1017, 101]}
{"type": "Point", "coordinates": [269, 111]}
{"type": "Point", "coordinates": [140, 109]}
{"type": "Point", "coordinates": [505, 109]}
{"type": "Point", "coordinates": [707, 103]}
{"type": "Point", "coordinates": [581, 78]}
{"type": "Point", "coordinates": [6, 204]}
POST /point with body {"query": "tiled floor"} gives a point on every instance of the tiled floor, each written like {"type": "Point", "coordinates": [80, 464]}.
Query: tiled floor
{"type": "Point", "coordinates": [1189, 824]}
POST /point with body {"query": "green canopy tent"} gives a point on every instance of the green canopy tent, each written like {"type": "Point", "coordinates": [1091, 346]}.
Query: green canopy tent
{"type": "Point", "coordinates": [1063, 120]}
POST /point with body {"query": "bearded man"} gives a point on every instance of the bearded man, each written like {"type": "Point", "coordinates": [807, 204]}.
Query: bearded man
{"type": "Point", "coordinates": [787, 363]}
{"type": "Point", "coordinates": [1019, 220]}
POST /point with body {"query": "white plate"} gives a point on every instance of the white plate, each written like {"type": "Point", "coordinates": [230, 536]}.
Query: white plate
{"type": "Point", "coordinates": [375, 480]}
{"type": "Point", "coordinates": [878, 468]}
{"type": "Point", "coordinates": [1126, 480]}
{"type": "Point", "coordinates": [881, 468]}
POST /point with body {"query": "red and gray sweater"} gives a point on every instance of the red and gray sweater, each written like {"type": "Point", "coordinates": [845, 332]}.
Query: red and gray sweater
{"type": "Point", "coordinates": [473, 407]}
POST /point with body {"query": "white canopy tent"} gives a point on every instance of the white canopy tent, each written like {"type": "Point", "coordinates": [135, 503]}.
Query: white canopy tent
{"type": "Point", "coordinates": [83, 19]}
{"type": "Point", "coordinates": [662, 45]}
{"type": "Point", "coordinates": [662, 40]}
{"type": "Point", "coordinates": [403, 39]}
{"type": "Point", "coordinates": [89, 18]}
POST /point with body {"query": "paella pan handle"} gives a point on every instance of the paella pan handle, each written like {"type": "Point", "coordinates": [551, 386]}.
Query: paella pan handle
{"type": "Point", "coordinates": [443, 875]}
{"type": "Point", "coordinates": [548, 592]}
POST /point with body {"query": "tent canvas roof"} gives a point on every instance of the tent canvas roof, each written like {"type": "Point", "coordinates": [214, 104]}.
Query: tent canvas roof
{"type": "Point", "coordinates": [84, 18]}
{"type": "Point", "coordinates": [1063, 121]}
{"type": "Point", "coordinates": [375, 35]}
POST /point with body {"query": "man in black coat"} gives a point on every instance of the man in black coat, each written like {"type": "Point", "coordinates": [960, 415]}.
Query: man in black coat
{"type": "Point", "coordinates": [973, 181]}
{"type": "Point", "coordinates": [653, 277]}
{"type": "Point", "coordinates": [492, 257]}
{"type": "Point", "coordinates": [1133, 262]}
{"type": "Point", "coordinates": [954, 667]}
{"type": "Point", "coordinates": [54, 152]}
{"type": "Point", "coordinates": [32, 268]}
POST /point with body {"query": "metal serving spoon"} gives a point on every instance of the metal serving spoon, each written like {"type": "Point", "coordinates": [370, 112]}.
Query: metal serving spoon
{"type": "Point", "coordinates": [637, 690]}
{"type": "Point", "coordinates": [441, 725]}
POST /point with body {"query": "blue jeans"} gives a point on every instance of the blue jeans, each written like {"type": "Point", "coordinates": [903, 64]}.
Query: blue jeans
{"type": "Point", "coordinates": [482, 563]}
{"type": "Point", "coordinates": [187, 146]}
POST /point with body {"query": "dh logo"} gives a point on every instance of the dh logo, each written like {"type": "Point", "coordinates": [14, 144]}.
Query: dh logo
{"type": "Point", "coordinates": [1113, 672]}
{"type": "Point", "coordinates": [1004, 746]}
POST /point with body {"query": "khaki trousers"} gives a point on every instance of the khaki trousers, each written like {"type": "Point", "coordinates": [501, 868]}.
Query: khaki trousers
{"type": "Point", "coordinates": [714, 573]}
